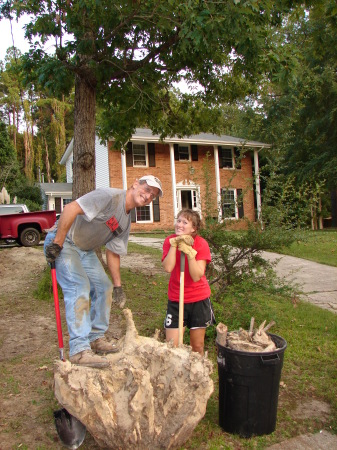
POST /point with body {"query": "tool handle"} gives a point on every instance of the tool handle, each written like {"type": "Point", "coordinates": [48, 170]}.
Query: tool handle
{"type": "Point", "coordinates": [57, 310]}
{"type": "Point", "coordinates": [181, 298]}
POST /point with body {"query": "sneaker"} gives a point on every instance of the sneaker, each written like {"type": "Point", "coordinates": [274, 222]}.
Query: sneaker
{"type": "Point", "coordinates": [101, 346]}
{"type": "Point", "coordinates": [89, 359]}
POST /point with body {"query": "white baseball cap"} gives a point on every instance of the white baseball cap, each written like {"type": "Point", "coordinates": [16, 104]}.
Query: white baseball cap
{"type": "Point", "coordinates": [153, 182]}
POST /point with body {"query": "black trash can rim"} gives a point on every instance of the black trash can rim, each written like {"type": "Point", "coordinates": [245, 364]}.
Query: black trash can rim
{"type": "Point", "coordinates": [274, 337]}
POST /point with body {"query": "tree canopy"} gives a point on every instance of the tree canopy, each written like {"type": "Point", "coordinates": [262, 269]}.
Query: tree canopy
{"type": "Point", "coordinates": [127, 55]}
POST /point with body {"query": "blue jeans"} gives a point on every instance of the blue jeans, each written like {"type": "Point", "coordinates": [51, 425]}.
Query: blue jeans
{"type": "Point", "coordinates": [81, 277]}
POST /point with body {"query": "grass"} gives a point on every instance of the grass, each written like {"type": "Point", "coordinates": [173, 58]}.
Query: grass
{"type": "Point", "coordinates": [318, 246]}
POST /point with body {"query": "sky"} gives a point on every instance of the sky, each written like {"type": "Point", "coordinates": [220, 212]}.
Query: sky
{"type": "Point", "coordinates": [6, 37]}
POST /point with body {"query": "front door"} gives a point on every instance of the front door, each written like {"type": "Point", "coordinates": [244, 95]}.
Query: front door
{"type": "Point", "coordinates": [188, 197]}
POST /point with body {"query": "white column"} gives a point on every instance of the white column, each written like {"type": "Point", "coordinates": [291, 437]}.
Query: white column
{"type": "Point", "coordinates": [124, 178]}
{"type": "Point", "coordinates": [217, 181]}
{"type": "Point", "coordinates": [174, 184]}
{"type": "Point", "coordinates": [257, 184]}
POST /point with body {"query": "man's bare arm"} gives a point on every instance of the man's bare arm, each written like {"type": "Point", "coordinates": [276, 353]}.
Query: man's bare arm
{"type": "Point", "coordinates": [69, 214]}
{"type": "Point", "coordinates": [113, 261]}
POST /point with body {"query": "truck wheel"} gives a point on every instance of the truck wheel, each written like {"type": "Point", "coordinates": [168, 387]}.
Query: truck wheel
{"type": "Point", "coordinates": [29, 237]}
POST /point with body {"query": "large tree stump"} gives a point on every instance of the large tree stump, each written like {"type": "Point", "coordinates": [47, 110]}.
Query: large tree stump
{"type": "Point", "coordinates": [153, 396]}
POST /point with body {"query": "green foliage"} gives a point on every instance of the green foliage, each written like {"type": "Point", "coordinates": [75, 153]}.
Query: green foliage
{"type": "Point", "coordinates": [44, 290]}
{"type": "Point", "coordinates": [132, 53]}
{"type": "Point", "coordinates": [7, 151]}
{"type": "Point", "coordinates": [237, 254]}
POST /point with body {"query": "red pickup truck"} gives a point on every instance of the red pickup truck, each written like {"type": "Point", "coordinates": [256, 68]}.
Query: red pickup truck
{"type": "Point", "coordinates": [26, 227]}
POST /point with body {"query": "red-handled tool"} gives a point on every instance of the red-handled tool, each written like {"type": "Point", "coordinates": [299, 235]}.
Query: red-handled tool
{"type": "Point", "coordinates": [70, 430]}
{"type": "Point", "coordinates": [57, 310]}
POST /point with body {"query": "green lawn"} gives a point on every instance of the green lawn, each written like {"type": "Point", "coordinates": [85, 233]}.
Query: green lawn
{"type": "Point", "coordinates": [318, 246]}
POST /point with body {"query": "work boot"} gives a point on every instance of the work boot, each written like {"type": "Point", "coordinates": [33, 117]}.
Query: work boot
{"type": "Point", "coordinates": [101, 346]}
{"type": "Point", "coordinates": [89, 359]}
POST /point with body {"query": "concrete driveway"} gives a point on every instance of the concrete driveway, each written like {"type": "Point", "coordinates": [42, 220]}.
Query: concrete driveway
{"type": "Point", "coordinates": [318, 282]}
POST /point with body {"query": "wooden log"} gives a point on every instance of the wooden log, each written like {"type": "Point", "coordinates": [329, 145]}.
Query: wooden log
{"type": "Point", "coordinates": [221, 336]}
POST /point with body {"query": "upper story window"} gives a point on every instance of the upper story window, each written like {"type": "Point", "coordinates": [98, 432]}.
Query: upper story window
{"type": "Point", "coordinates": [139, 155]}
{"type": "Point", "coordinates": [182, 152]}
{"type": "Point", "coordinates": [229, 157]}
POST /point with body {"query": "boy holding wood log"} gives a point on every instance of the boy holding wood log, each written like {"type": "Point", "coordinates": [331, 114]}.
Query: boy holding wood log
{"type": "Point", "coordinates": [198, 312]}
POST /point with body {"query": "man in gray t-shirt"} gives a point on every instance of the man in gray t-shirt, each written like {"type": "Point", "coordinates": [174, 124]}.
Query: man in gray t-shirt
{"type": "Point", "coordinates": [101, 217]}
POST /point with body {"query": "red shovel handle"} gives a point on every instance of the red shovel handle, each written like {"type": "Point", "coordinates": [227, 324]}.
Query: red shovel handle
{"type": "Point", "coordinates": [57, 310]}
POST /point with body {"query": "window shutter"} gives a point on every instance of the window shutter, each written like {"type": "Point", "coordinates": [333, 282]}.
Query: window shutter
{"type": "Point", "coordinates": [129, 158]}
{"type": "Point", "coordinates": [176, 152]}
{"type": "Point", "coordinates": [237, 158]}
{"type": "Point", "coordinates": [240, 203]}
{"type": "Point", "coordinates": [151, 152]}
{"type": "Point", "coordinates": [133, 215]}
{"type": "Point", "coordinates": [220, 157]}
{"type": "Point", "coordinates": [156, 210]}
{"type": "Point", "coordinates": [194, 151]}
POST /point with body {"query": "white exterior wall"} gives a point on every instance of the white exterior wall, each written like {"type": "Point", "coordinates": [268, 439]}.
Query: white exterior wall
{"type": "Point", "coordinates": [69, 168]}
{"type": "Point", "coordinates": [102, 164]}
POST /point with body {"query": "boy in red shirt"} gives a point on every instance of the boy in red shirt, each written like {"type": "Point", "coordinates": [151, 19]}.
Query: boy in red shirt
{"type": "Point", "coordinates": [198, 312]}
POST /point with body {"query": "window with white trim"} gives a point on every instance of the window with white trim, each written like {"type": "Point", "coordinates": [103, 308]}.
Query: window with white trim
{"type": "Point", "coordinates": [144, 214]}
{"type": "Point", "coordinates": [228, 203]}
{"type": "Point", "coordinates": [184, 152]}
{"type": "Point", "coordinates": [232, 203]}
{"type": "Point", "coordinates": [227, 158]}
{"type": "Point", "coordinates": [139, 154]}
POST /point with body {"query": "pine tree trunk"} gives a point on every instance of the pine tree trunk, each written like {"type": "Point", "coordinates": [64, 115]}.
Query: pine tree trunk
{"type": "Point", "coordinates": [84, 137]}
{"type": "Point", "coordinates": [320, 217]}
{"type": "Point", "coordinates": [333, 198]}
{"type": "Point", "coordinates": [47, 161]}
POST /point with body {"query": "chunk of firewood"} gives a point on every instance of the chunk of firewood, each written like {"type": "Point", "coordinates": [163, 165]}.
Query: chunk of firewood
{"type": "Point", "coordinates": [260, 337]}
{"type": "Point", "coordinates": [253, 340]}
{"type": "Point", "coordinates": [251, 328]}
{"type": "Point", "coordinates": [221, 336]}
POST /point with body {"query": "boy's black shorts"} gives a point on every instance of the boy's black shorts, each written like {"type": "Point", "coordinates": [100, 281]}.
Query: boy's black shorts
{"type": "Point", "coordinates": [196, 315]}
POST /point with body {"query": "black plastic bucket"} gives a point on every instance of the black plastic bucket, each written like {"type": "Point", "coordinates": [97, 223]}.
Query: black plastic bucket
{"type": "Point", "coordinates": [249, 388]}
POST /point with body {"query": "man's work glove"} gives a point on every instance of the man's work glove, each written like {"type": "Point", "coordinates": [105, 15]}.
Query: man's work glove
{"type": "Point", "coordinates": [119, 296]}
{"type": "Point", "coordinates": [182, 238]}
{"type": "Point", "coordinates": [187, 249]}
{"type": "Point", "coordinates": [52, 252]}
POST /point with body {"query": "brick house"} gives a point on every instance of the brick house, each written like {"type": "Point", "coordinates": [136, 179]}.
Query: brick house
{"type": "Point", "coordinates": [180, 165]}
